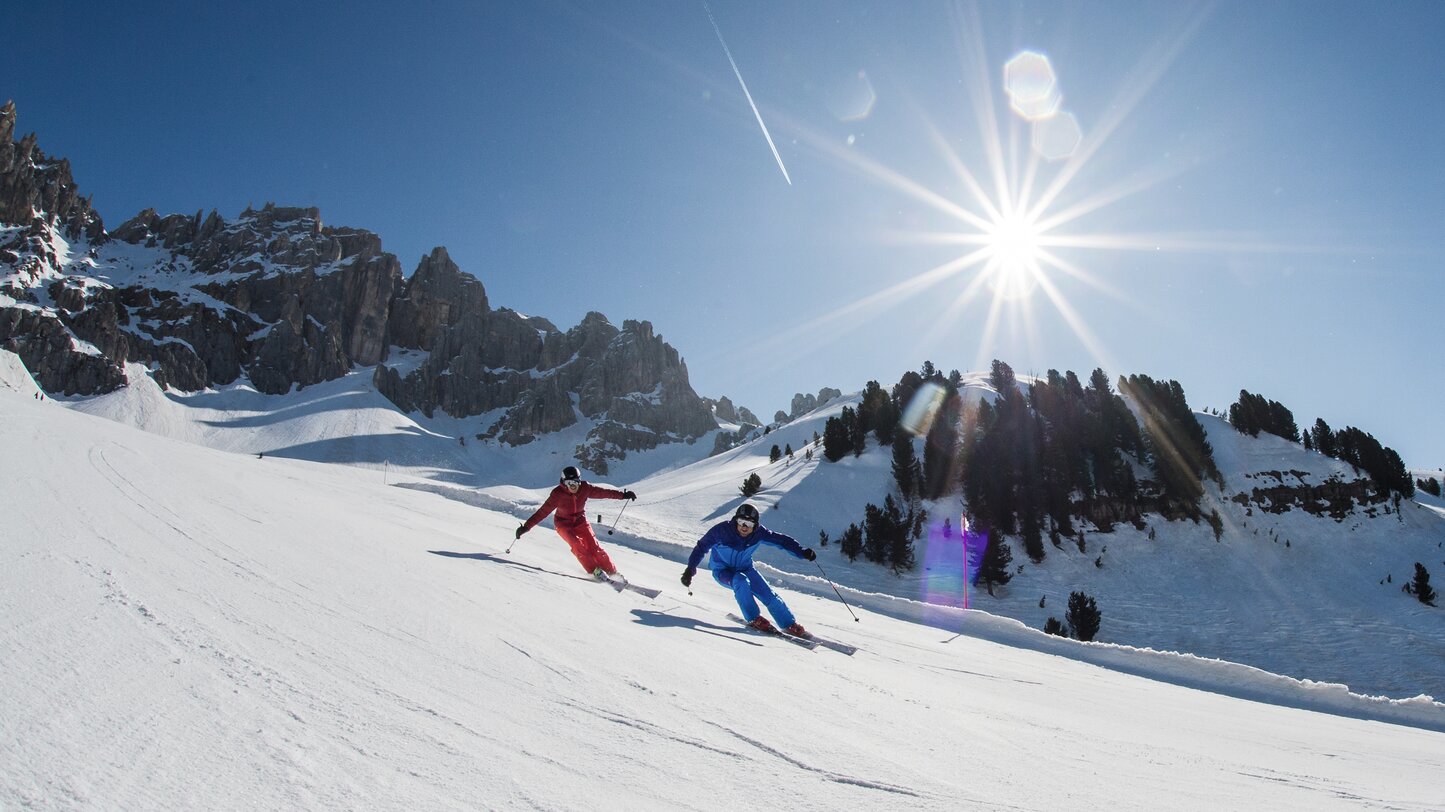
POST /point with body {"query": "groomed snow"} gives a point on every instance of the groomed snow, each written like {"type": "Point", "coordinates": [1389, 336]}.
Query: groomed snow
{"type": "Point", "coordinates": [191, 628]}
{"type": "Point", "coordinates": [1240, 599]}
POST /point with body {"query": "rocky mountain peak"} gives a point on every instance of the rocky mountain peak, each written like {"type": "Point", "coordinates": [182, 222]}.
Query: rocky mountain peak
{"type": "Point", "coordinates": [280, 297]}
{"type": "Point", "coordinates": [33, 186]}
{"type": "Point", "coordinates": [436, 298]}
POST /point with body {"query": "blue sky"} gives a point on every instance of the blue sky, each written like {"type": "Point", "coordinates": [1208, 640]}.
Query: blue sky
{"type": "Point", "coordinates": [1283, 158]}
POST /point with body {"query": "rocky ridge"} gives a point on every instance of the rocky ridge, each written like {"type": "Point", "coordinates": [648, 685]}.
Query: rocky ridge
{"type": "Point", "coordinates": [280, 298]}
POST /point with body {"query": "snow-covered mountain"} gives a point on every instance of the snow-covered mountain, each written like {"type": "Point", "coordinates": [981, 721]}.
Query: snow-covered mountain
{"type": "Point", "coordinates": [192, 628]}
{"type": "Point", "coordinates": [276, 299]}
{"type": "Point", "coordinates": [333, 456]}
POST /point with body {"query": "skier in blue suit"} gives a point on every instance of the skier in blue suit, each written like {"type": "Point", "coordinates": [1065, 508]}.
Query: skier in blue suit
{"type": "Point", "coordinates": [732, 544]}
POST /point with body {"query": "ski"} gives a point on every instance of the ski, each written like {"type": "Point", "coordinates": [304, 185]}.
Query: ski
{"type": "Point", "coordinates": [621, 584]}
{"type": "Point", "coordinates": [778, 633]}
{"type": "Point", "coordinates": [841, 648]}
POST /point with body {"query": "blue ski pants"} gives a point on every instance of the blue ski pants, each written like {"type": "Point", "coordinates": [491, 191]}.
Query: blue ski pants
{"type": "Point", "coordinates": [748, 587]}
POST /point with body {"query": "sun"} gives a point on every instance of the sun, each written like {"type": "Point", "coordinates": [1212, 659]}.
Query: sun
{"type": "Point", "coordinates": [1014, 250]}
{"type": "Point", "coordinates": [1013, 216]}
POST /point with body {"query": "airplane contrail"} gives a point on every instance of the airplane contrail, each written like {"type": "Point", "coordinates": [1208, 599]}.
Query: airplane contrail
{"type": "Point", "coordinates": [739, 74]}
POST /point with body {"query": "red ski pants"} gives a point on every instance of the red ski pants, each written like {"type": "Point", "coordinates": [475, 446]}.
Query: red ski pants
{"type": "Point", "coordinates": [585, 547]}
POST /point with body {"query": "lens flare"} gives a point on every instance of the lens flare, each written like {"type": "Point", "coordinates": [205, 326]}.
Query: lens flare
{"type": "Point", "coordinates": [1018, 233]}
{"type": "Point", "coordinates": [951, 558]}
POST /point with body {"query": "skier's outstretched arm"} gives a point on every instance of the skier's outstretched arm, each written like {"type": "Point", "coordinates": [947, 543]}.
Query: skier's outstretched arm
{"type": "Point", "coordinates": [542, 512]}
{"type": "Point", "coordinates": [791, 545]}
{"type": "Point", "coordinates": [699, 550]}
{"type": "Point", "coordinates": [599, 492]}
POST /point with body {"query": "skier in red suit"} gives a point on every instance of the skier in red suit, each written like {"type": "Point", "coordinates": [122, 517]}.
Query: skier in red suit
{"type": "Point", "coordinates": [569, 500]}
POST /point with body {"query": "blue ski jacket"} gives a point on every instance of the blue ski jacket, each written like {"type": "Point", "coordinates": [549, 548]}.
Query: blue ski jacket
{"type": "Point", "coordinates": [731, 551]}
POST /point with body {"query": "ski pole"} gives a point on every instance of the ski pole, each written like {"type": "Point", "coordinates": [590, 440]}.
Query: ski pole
{"type": "Point", "coordinates": [509, 546]}
{"type": "Point", "coordinates": [619, 517]}
{"type": "Point", "coordinates": [836, 592]}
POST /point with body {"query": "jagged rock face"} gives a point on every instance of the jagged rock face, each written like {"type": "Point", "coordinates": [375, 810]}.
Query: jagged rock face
{"type": "Point", "coordinates": [220, 298]}
{"type": "Point", "coordinates": [319, 297]}
{"type": "Point", "coordinates": [276, 296]}
{"type": "Point", "coordinates": [724, 409]}
{"type": "Point", "coordinates": [31, 183]}
{"type": "Point", "coordinates": [48, 350]}
{"type": "Point", "coordinates": [629, 380]}
{"type": "Point", "coordinates": [802, 404]}
{"type": "Point", "coordinates": [436, 297]}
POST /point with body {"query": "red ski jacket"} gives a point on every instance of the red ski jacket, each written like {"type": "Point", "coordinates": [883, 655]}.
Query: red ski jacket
{"type": "Point", "coordinates": [571, 507]}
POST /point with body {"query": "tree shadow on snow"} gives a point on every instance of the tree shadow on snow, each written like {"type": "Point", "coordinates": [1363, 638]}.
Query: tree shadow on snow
{"type": "Point", "coordinates": [662, 620]}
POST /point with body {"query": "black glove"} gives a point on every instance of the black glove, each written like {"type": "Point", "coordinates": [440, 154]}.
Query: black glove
{"type": "Point", "coordinates": [521, 528]}
{"type": "Point", "coordinates": [809, 555]}
{"type": "Point", "coordinates": [687, 575]}
{"type": "Point", "coordinates": [628, 495]}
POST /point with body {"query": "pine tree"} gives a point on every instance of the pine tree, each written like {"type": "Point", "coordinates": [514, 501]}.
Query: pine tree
{"type": "Point", "coordinates": [1053, 626]}
{"type": "Point", "coordinates": [789, 451]}
{"type": "Point", "coordinates": [822, 538]}
{"type": "Point", "coordinates": [1421, 585]}
{"type": "Point", "coordinates": [775, 454]}
{"type": "Point", "coordinates": [900, 536]}
{"type": "Point", "coordinates": [1002, 379]}
{"type": "Point", "coordinates": [857, 436]}
{"type": "Point", "coordinates": [940, 452]}
{"type": "Point", "coordinates": [837, 441]}
{"type": "Point", "coordinates": [871, 407]}
{"type": "Point", "coordinates": [852, 542]}
{"type": "Point", "coordinates": [905, 389]}
{"type": "Point", "coordinates": [1324, 438]}
{"type": "Point", "coordinates": [877, 534]}
{"type": "Point", "coordinates": [1397, 475]}
{"type": "Point", "coordinates": [905, 466]}
{"type": "Point", "coordinates": [996, 563]}
{"type": "Point", "coordinates": [1181, 457]}
{"type": "Point", "coordinates": [751, 485]}
{"type": "Point", "coordinates": [1083, 616]}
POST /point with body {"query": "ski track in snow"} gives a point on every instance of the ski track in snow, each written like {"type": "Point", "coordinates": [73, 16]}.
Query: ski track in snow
{"type": "Point", "coordinates": [312, 636]}
{"type": "Point", "coordinates": [831, 776]}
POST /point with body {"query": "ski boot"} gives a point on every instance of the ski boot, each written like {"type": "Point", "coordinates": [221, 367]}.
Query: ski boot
{"type": "Point", "coordinates": [763, 625]}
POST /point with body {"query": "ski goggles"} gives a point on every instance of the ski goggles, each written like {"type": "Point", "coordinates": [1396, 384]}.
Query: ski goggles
{"type": "Point", "coordinates": [746, 524]}
{"type": "Point", "coordinates": [572, 483]}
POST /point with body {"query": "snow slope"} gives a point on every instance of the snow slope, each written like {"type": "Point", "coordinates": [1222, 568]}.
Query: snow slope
{"type": "Point", "coordinates": [307, 636]}
{"type": "Point", "coordinates": [346, 421]}
{"type": "Point", "coordinates": [1291, 594]}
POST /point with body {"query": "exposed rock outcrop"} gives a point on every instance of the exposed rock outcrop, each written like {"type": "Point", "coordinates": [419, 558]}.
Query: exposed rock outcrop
{"type": "Point", "coordinates": [34, 186]}
{"type": "Point", "coordinates": [286, 301]}
{"type": "Point", "coordinates": [802, 404]}
{"type": "Point", "coordinates": [478, 360]}
{"type": "Point", "coordinates": [1334, 497]}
